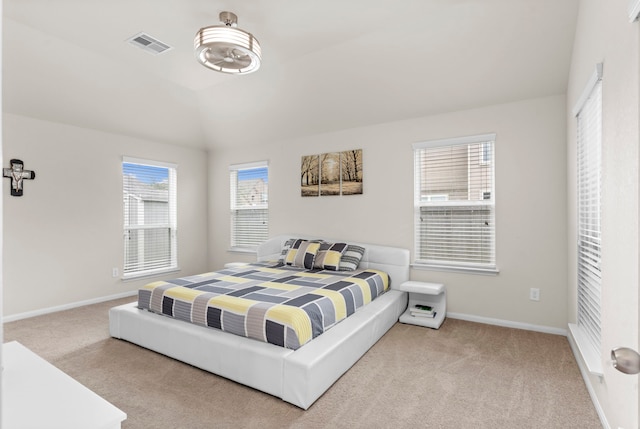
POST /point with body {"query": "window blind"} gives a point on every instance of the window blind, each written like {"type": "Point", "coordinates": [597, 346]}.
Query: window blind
{"type": "Point", "coordinates": [455, 202]}
{"type": "Point", "coordinates": [589, 154]}
{"type": "Point", "coordinates": [249, 203]}
{"type": "Point", "coordinates": [149, 197]}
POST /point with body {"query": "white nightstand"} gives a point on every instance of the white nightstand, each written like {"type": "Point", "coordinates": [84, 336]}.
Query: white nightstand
{"type": "Point", "coordinates": [431, 294]}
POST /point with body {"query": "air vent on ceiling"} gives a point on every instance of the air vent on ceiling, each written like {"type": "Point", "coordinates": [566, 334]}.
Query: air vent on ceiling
{"type": "Point", "coordinates": [148, 43]}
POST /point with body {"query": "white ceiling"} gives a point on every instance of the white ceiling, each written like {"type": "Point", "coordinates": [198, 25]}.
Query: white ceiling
{"type": "Point", "coordinates": [327, 65]}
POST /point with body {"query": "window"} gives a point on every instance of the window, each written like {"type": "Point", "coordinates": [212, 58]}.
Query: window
{"type": "Point", "coordinates": [149, 192]}
{"type": "Point", "coordinates": [486, 155]}
{"type": "Point", "coordinates": [249, 205]}
{"type": "Point", "coordinates": [455, 203]}
{"type": "Point", "coordinates": [588, 114]}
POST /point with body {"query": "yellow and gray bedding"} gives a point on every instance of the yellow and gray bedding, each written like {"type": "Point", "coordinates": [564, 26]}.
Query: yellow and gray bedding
{"type": "Point", "coordinates": [280, 304]}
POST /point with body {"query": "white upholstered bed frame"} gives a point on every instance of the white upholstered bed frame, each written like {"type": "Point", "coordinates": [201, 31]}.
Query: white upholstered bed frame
{"type": "Point", "coordinates": [296, 376]}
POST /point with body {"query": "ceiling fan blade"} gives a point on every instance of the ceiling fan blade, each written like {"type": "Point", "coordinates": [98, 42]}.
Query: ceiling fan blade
{"type": "Point", "coordinates": [220, 63]}
{"type": "Point", "coordinates": [241, 59]}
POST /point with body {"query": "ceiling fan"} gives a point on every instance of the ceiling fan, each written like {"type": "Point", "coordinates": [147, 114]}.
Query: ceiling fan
{"type": "Point", "coordinates": [226, 48]}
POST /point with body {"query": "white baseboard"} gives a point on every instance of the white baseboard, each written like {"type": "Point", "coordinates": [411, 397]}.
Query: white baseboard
{"type": "Point", "coordinates": [34, 313]}
{"type": "Point", "coordinates": [508, 324]}
{"type": "Point", "coordinates": [587, 381]}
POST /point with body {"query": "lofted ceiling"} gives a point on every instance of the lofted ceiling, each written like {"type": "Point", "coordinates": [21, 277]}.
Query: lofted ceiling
{"type": "Point", "coordinates": [327, 65]}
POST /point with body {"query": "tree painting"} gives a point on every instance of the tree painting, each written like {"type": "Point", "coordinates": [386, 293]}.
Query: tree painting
{"type": "Point", "coordinates": [330, 173]}
{"type": "Point", "coordinates": [351, 167]}
{"type": "Point", "coordinates": [334, 173]}
{"type": "Point", "coordinates": [310, 176]}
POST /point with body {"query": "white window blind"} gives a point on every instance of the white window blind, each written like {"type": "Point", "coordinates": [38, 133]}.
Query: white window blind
{"type": "Point", "coordinates": [149, 192]}
{"type": "Point", "coordinates": [454, 203]}
{"type": "Point", "coordinates": [249, 190]}
{"type": "Point", "coordinates": [589, 154]}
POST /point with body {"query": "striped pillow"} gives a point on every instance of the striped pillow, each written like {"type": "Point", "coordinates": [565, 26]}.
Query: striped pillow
{"type": "Point", "coordinates": [329, 255]}
{"type": "Point", "coordinates": [302, 254]}
{"type": "Point", "coordinates": [285, 249]}
{"type": "Point", "coordinates": [351, 258]}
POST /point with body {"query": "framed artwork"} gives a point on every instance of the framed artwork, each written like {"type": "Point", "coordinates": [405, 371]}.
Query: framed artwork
{"type": "Point", "coordinates": [310, 176]}
{"type": "Point", "coordinates": [351, 168]}
{"type": "Point", "coordinates": [330, 173]}
{"type": "Point", "coordinates": [333, 173]}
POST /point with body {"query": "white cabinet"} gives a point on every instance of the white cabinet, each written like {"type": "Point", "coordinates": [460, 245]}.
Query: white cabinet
{"type": "Point", "coordinates": [422, 293]}
{"type": "Point", "coordinates": [36, 394]}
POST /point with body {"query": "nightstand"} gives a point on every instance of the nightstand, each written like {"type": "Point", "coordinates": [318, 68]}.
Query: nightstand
{"type": "Point", "coordinates": [423, 293]}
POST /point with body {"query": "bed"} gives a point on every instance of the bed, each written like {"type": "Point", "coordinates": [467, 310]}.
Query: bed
{"type": "Point", "coordinates": [298, 374]}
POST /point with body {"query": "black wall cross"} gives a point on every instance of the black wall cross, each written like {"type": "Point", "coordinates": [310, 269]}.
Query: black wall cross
{"type": "Point", "coordinates": [17, 174]}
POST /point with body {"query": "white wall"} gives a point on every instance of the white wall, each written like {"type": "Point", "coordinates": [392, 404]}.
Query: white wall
{"type": "Point", "coordinates": [64, 235]}
{"type": "Point", "coordinates": [604, 34]}
{"type": "Point", "coordinates": [1, 232]}
{"type": "Point", "coordinates": [530, 191]}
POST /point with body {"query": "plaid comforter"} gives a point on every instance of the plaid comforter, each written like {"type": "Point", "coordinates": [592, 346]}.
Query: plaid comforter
{"type": "Point", "coordinates": [281, 305]}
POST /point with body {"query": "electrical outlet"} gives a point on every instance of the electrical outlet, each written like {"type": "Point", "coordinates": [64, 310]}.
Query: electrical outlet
{"type": "Point", "coordinates": [534, 294]}
{"type": "Point", "coordinates": [115, 272]}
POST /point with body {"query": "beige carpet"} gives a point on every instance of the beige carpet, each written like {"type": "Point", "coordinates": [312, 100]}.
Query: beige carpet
{"type": "Point", "coordinates": [465, 375]}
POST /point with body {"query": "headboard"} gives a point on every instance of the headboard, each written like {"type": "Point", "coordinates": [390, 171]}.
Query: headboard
{"type": "Point", "coordinates": [393, 260]}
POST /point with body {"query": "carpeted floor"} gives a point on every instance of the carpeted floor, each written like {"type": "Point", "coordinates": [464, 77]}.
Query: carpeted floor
{"type": "Point", "coordinates": [465, 375]}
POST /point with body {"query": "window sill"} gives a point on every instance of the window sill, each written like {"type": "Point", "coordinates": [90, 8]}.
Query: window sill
{"type": "Point", "coordinates": [589, 354]}
{"type": "Point", "coordinates": [242, 250]}
{"type": "Point", "coordinates": [456, 269]}
{"type": "Point", "coordinates": [151, 273]}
